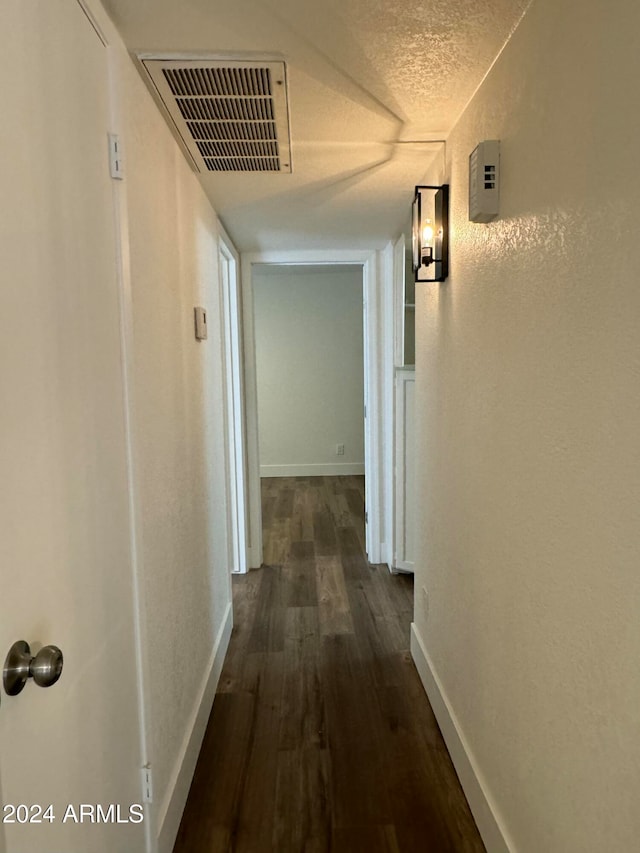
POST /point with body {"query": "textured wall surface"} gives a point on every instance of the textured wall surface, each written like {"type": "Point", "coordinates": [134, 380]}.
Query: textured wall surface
{"type": "Point", "coordinates": [528, 371]}
{"type": "Point", "coordinates": [310, 367]}
{"type": "Point", "coordinates": [178, 421]}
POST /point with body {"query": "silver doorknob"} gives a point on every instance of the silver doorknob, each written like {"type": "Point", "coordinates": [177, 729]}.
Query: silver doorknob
{"type": "Point", "coordinates": [45, 668]}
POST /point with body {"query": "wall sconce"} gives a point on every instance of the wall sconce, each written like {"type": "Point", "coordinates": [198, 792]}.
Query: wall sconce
{"type": "Point", "coordinates": [430, 233]}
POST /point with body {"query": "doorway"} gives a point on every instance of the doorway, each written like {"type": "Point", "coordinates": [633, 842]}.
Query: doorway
{"type": "Point", "coordinates": [308, 328]}
{"type": "Point", "coordinates": [377, 393]}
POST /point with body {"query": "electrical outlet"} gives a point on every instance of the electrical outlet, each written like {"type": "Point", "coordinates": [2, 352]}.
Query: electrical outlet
{"type": "Point", "coordinates": [424, 597]}
{"type": "Point", "coordinates": [339, 449]}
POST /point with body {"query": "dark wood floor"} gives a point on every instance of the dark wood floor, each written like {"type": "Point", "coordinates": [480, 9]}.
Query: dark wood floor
{"type": "Point", "coordinates": [321, 737]}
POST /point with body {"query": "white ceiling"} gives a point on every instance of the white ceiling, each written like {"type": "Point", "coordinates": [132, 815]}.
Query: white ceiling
{"type": "Point", "coordinates": [372, 84]}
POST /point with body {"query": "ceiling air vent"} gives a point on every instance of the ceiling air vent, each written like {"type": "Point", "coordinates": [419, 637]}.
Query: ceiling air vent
{"type": "Point", "coordinates": [230, 116]}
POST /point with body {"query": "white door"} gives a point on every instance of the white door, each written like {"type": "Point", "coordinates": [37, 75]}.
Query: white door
{"type": "Point", "coordinates": [64, 544]}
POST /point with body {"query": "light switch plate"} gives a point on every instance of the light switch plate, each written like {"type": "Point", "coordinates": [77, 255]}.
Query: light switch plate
{"type": "Point", "coordinates": [201, 323]}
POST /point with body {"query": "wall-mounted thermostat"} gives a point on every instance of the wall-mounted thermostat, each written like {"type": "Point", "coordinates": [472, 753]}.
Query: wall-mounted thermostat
{"type": "Point", "coordinates": [484, 181]}
{"type": "Point", "coordinates": [201, 323]}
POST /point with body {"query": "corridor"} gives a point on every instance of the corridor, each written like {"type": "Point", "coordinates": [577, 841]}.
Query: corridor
{"type": "Point", "coordinates": [321, 736]}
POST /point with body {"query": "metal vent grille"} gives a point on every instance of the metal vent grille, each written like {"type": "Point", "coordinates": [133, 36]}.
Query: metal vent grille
{"type": "Point", "coordinates": [230, 116]}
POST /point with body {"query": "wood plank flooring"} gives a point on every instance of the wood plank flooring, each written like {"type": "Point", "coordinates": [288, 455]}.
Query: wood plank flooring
{"type": "Point", "coordinates": [321, 737]}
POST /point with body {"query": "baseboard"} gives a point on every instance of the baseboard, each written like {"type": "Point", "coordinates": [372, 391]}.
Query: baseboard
{"type": "Point", "coordinates": [329, 469]}
{"type": "Point", "coordinates": [254, 560]}
{"type": "Point", "coordinates": [480, 802]}
{"type": "Point", "coordinates": [403, 566]}
{"type": "Point", "coordinates": [170, 812]}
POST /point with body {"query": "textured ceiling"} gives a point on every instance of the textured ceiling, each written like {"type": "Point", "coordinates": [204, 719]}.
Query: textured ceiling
{"type": "Point", "coordinates": [372, 84]}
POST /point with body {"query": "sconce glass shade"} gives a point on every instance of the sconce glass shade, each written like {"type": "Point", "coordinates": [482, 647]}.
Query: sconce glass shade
{"type": "Point", "coordinates": [430, 233]}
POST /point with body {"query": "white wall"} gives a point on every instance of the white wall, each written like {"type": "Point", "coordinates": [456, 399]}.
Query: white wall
{"type": "Point", "coordinates": [310, 369]}
{"type": "Point", "coordinates": [528, 371]}
{"type": "Point", "coordinates": [178, 439]}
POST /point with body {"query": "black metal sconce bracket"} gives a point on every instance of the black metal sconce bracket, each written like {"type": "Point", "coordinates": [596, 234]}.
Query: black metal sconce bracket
{"type": "Point", "coordinates": [439, 256]}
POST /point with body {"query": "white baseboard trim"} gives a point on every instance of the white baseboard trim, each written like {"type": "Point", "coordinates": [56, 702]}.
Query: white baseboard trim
{"type": "Point", "coordinates": [170, 812]}
{"type": "Point", "coordinates": [253, 559]}
{"type": "Point", "coordinates": [329, 469]}
{"type": "Point", "coordinates": [403, 566]}
{"type": "Point", "coordinates": [480, 802]}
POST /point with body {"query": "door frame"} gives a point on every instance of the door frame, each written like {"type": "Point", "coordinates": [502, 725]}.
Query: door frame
{"type": "Point", "coordinates": [125, 289]}
{"type": "Point", "coordinates": [378, 391]}
{"type": "Point", "coordinates": [235, 436]}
